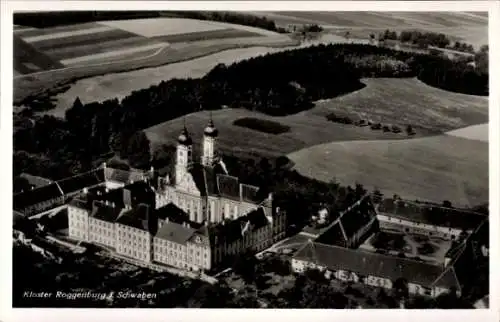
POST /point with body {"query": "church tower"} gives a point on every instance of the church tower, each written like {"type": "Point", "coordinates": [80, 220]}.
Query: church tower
{"type": "Point", "coordinates": [184, 155]}
{"type": "Point", "coordinates": [209, 140]}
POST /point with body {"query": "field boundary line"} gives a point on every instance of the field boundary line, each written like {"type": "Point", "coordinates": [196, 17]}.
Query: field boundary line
{"type": "Point", "coordinates": [93, 65]}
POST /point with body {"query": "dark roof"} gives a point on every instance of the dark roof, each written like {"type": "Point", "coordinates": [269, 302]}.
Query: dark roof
{"type": "Point", "coordinates": [176, 215]}
{"type": "Point", "coordinates": [211, 179]}
{"type": "Point", "coordinates": [135, 217]}
{"type": "Point", "coordinates": [117, 175]}
{"type": "Point", "coordinates": [35, 196]}
{"type": "Point", "coordinates": [80, 181]}
{"type": "Point", "coordinates": [333, 236]}
{"type": "Point", "coordinates": [36, 181]}
{"type": "Point", "coordinates": [367, 263]}
{"type": "Point", "coordinates": [250, 193]}
{"type": "Point", "coordinates": [228, 186]}
{"type": "Point", "coordinates": [85, 200]}
{"type": "Point", "coordinates": [431, 214]}
{"type": "Point", "coordinates": [184, 138]}
{"type": "Point", "coordinates": [82, 203]}
{"type": "Point", "coordinates": [358, 217]}
{"type": "Point", "coordinates": [230, 231]}
{"type": "Point", "coordinates": [105, 212]}
{"type": "Point", "coordinates": [198, 175]}
{"type": "Point", "coordinates": [140, 192]}
{"type": "Point", "coordinates": [175, 232]}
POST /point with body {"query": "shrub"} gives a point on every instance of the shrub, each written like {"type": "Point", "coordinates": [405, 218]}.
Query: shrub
{"type": "Point", "coordinates": [396, 129]}
{"type": "Point", "coordinates": [376, 126]}
{"type": "Point", "coordinates": [386, 128]}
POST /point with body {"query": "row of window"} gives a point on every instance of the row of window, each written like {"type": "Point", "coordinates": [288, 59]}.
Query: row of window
{"type": "Point", "coordinates": [133, 252]}
{"type": "Point", "coordinates": [134, 244]}
{"type": "Point", "coordinates": [179, 263]}
{"type": "Point", "coordinates": [100, 223]}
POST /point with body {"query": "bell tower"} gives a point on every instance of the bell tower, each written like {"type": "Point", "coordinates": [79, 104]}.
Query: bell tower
{"type": "Point", "coordinates": [184, 154]}
{"type": "Point", "coordinates": [210, 134]}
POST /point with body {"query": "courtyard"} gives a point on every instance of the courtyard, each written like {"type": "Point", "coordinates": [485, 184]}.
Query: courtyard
{"type": "Point", "coordinates": [415, 246]}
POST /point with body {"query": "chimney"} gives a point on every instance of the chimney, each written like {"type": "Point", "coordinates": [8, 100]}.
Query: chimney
{"type": "Point", "coordinates": [270, 196]}
{"type": "Point", "coordinates": [85, 190]}
{"type": "Point", "coordinates": [104, 165]}
{"type": "Point", "coordinates": [167, 179]}
{"type": "Point", "coordinates": [167, 220]}
{"type": "Point", "coordinates": [106, 190]}
{"type": "Point", "coordinates": [113, 204]}
{"type": "Point", "coordinates": [241, 191]}
{"type": "Point", "coordinates": [152, 170]}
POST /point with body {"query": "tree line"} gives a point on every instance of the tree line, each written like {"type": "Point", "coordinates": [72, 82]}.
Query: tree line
{"type": "Point", "coordinates": [425, 39]}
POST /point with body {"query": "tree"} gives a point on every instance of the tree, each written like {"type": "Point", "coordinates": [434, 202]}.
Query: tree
{"type": "Point", "coordinates": [400, 288]}
{"type": "Point", "coordinates": [21, 184]}
{"type": "Point", "coordinates": [409, 130]}
{"type": "Point", "coordinates": [138, 150]}
{"type": "Point", "coordinates": [245, 265]}
{"type": "Point", "coordinates": [372, 38]}
{"type": "Point", "coordinates": [447, 204]}
{"type": "Point", "coordinates": [377, 196]}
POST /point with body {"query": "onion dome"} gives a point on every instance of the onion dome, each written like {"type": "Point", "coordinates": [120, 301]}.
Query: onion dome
{"type": "Point", "coordinates": [211, 130]}
{"type": "Point", "coordinates": [184, 137]}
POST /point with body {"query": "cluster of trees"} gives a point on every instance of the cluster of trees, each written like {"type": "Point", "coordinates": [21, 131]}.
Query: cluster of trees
{"type": "Point", "coordinates": [312, 28]}
{"type": "Point", "coordinates": [77, 273]}
{"type": "Point", "coordinates": [424, 39]}
{"type": "Point", "coordinates": [332, 117]}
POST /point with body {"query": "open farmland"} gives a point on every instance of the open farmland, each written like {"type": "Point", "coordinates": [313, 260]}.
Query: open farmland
{"type": "Point", "coordinates": [393, 101]}
{"type": "Point", "coordinates": [434, 168]}
{"type": "Point", "coordinates": [408, 101]}
{"type": "Point", "coordinates": [305, 130]}
{"type": "Point", "coordinates": [477, 132]}
{"type": "Point", "coordinates": [91, 49]}
{"type": "Point", "coordinates": [465, 26]}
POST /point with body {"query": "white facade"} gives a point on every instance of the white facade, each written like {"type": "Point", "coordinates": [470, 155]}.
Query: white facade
{"type": "Point", "coordinates": [300, 266]}
{"type": "Point", "coordinates": [208, 156]}
{"type": "Point", "coordinates": [133, 242]}
{"type": "Point", "coordinates": [388, 221]}
{"type": "Point", "coordinates": [78, 223]}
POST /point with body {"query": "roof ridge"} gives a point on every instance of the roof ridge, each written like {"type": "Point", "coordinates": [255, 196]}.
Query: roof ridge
{"type": "Point", "coordinates": [59, 187]}
{"type": "Point", "coordinates": [376, 254]}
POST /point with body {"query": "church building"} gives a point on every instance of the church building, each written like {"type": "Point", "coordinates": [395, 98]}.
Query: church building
{"type": "Point", "coordinates": [205, 190]}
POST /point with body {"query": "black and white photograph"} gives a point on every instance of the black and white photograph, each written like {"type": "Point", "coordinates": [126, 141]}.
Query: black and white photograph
{"type": "Point", "coordinates": [249, 159]}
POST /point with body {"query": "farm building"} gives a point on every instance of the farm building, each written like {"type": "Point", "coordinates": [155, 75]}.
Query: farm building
{"type": "Point", "coordinates": [53, 194]}
{"type": "Point", "coordinates": [352, 227]}
{"type": "Point", "coordinates": [430, 220]}
{"type": "Point", "coordinates": [376, 269]}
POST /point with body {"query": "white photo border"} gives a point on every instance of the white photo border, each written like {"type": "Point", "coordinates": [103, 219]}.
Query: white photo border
{"type": "Point", "coordinates": [7, 314]}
